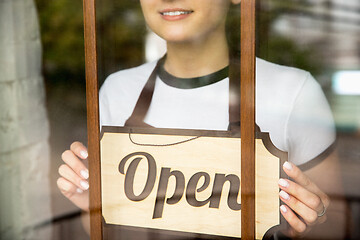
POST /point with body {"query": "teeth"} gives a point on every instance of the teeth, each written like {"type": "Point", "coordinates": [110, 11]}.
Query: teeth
{"type": "Point", "coordinates": [176, 13]}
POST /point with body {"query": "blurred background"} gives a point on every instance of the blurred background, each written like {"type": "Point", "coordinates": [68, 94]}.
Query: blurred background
{"type": "Point", "coordinates": [320, 36]}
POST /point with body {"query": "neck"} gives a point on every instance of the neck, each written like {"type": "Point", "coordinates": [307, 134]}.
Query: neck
{"type": "Point", "coordinates": [194, 59]}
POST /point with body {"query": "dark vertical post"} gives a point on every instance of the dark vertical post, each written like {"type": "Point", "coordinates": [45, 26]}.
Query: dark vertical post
{"type": "Point", "coordinates": [248, 119]}
{"type": "Point", "coordinates": [92, 102]}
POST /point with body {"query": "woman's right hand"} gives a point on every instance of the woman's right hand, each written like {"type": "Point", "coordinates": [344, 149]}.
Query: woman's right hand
{"type": "Point", "coordinates": [73, 182]}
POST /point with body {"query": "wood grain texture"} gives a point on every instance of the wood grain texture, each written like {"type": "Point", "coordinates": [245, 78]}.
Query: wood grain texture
{"type": "Point", "coordinates": [248, 118]}
{"type": "Point", "coordinates": [92, 102]}
{"type": "Point", "coordinates": [199, 156]}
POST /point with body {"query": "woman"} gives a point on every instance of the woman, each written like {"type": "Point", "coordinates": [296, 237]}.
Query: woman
{"type": "Point", "coordinates": [192, 91]}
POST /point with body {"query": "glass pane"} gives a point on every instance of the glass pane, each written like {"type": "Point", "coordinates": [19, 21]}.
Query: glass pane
{"type": "Point", "coordinates": [185, 100]}
{"type": "Point", "coordinates": [166, 182]}
{"type": "Point", "coordinates": [322, 38]}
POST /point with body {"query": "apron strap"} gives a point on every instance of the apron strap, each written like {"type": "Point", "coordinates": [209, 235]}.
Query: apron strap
{"type": "Point", "coordinates": [142, 105]}
{"type": "Point", "coordinates": [234, 95]}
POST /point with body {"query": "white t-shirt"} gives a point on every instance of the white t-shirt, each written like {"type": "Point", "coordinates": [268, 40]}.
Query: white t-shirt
{"type": "Point", "coordinates": [290, 105]}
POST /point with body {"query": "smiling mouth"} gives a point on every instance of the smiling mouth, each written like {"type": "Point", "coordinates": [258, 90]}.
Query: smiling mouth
{"type": "Point", "coordinates": [175, 13]}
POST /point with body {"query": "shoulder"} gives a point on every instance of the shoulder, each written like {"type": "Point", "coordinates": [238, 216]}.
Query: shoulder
{"type": "Point", "coordinates": [282, 88]}
{"type": "Point", "coordinates": [129, 78]}
{"type": "Point", "coordinates": [120, 91]}
{"type": "Point", "coordinates": [291, 106]}
{"type": "Point", "coordinates": [280, 76]}
{"type": "Point", "coordinates": [277, 89]}
{"type": "Point", "coordinates": [126, 85]}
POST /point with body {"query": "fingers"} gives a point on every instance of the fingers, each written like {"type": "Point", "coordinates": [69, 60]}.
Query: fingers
{"type": "Point", "coordinates": [71, 191]}
{"type": "Point", "coordinates": [298, 176]}
{"type": "Point", "coordinates": [309, 215]}
{"type": "Point", "coordinates": [297, 226]}
{"type": "Point", "coordinates": [295, 173]}
{"type": "Point", "coordinates": [71, 158]}
{"type": "Point", "coordinates": [79, 149]}
{"type": "Point", "coordinates": [310, 189]}
{"type": "Point", "coordinates": [304, 200]}
{"type": "Point", "coordinates": [75, 170]}
{"type": "Point", "coordinates": [67, 173]}
{"type": "Point", "coordinates": [67, 188]}
{"type": "Point", "coordinates": [303, 195]}
{"type": "Point", "coordinates": [73, 174]}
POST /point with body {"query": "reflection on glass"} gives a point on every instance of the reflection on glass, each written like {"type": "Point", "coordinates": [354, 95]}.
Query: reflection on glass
{"type": "Point", "coordinates": [322, 37]}
{"type": "Point", "coordinates": [188, 89]}
{"type": "Point", "coordinates": [346, 82]}
{"type": "Point", "coordinates": [299, 34]}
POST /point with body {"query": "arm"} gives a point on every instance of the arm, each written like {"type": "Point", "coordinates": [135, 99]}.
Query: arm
{"type": "Point", "coordinates": [309, 192]}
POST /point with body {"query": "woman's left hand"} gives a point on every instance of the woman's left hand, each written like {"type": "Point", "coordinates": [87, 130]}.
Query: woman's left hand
{"type": "Point", "coordinates": [302, 197]}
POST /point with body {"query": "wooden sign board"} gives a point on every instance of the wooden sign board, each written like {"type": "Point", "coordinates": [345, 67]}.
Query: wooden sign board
{"type": "Point", "coordinates": [186, 181]}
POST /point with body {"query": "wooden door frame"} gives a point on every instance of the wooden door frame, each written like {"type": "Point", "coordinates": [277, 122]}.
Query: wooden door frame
{"type": "Point", "coordinates": [247, 118]}
{"type": "Point", "coordinates": [248, 8]}
{"type": "Point", "coordinates": [93, 125]}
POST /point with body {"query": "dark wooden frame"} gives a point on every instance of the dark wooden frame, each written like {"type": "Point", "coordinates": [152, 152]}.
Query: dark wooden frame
{"type": "Point", "coordinates": [93, 125]}
{"type": "Point", "coordinates": [248, 8]}
{"type": "Point", "coordinates": [248, 13]}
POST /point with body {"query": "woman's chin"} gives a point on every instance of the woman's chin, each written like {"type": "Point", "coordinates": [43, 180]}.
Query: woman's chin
{"type": "Point", "coordinates": [175, 38]}
{"type": "Point", "coordinates": [180, 39]}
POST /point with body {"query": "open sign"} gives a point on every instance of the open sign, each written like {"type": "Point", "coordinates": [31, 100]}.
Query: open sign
{"type": "Point", "coordinates": [175, 180]}
{"type": "Point", "coordinates": [191, 187]}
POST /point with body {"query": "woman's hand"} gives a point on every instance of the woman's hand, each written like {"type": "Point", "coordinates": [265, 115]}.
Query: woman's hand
{"type": "Point", "coordinates": [304, 198]}
{"type": "Point", "coordinates": [73, 182]}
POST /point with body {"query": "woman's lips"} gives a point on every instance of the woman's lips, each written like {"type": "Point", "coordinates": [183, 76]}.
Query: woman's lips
{"type": "Point", "coordinates": [175, 14]}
